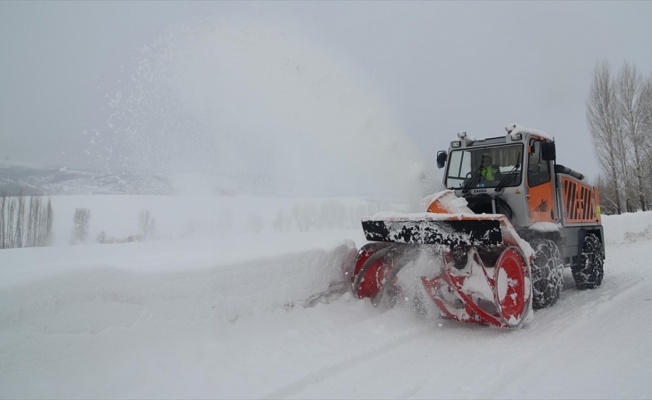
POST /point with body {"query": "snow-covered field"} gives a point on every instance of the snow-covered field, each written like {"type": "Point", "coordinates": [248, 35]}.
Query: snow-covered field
{"type": "Point", "coordinates": [243, 298]}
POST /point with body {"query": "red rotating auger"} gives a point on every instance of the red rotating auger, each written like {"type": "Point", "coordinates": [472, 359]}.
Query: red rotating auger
{"type": "Point", "coordinates": [484, 276]}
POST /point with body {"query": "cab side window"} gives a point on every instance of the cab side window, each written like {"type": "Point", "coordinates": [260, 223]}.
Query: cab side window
{"type": "Point", "coordinates": [538, 170]}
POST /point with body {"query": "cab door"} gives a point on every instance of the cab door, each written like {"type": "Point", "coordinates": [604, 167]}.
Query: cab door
{"type": "Point", "coordinates": [540, 195]}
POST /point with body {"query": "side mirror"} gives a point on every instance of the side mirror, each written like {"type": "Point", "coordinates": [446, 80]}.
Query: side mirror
{"type": "Point", "coordinates": [548, 151]}
{"type": "Point", "coordinates": [442, 156]}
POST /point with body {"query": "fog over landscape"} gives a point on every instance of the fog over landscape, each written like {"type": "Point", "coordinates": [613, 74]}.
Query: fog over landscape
{"type": "Point", "coordinates": [279, 92]}
{"type": "Point", "coordinates": [241, 100]}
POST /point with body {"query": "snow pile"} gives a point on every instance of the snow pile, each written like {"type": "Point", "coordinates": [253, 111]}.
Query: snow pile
{"type": "Point", "coordinates": [545, 227]}
{"type": "Point", "coordinates": [211, 278]}
{"type": "Point", "coordinates": [627, 228]}
{"type": "Point", "coordinates": [446, 200]}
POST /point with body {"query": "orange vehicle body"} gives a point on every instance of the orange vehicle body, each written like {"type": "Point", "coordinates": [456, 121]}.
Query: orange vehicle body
{"type": "Point", "coordinates": [503, 238]}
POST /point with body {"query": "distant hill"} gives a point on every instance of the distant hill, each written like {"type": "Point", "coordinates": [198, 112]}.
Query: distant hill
{"type": "Point", "coordinates": [40, 179]}
{"type": "Point", "coordinates": [35, 179]}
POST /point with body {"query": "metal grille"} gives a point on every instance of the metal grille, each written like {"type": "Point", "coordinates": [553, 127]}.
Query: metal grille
{"type": "Point", "coordinates": [579, 201]}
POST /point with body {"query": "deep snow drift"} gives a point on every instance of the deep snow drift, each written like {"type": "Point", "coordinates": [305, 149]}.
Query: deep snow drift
{"type": "Point", "coordinates": [267, 315]}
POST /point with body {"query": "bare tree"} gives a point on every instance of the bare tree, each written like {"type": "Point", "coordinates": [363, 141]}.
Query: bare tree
{"type": "Point", "coordinates": [619, 115]}
{"type": "Point", "coordinates": [47, 226]}
{"type": "Point", "coordinates": [3, 220]}
{"type": "Point", "coordinates": [629, 91]}
{"type": "Point", "coordinates": [24, 222]}
{"type": "Point", "coordinates": [646, 107]}
{"type": "Point", "coordinates": [20, 215]}
{"type": "Point", "coordinates": [607, 196]}
{"type": "Point", "coordinates": [646, 127]}
{"type": "Point", "coordinates": [11, 223]}
{"type": "Point", "coordinates": [34, 216]}
{"type": "Point", "coordinates": [81, 219]}
{"type": "Point", "coordinates": [146, 224]}
{"type": "Point", "coordinates": [602, 117]}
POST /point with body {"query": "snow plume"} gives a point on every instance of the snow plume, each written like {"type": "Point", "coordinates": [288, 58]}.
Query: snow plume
{"type": "Point", "coordinates": [252, 102]}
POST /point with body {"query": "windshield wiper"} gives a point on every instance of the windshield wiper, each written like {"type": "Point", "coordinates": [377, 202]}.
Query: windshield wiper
{"type": "Point", "coordinates": [473, 181]}
{"type": "Point", "coordinates": [507, 177]}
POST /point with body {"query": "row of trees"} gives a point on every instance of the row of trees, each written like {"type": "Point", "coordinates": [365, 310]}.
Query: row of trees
{"type": "Point", "coordinates": [619, 115]}
{"type": "Point", "coordinates": [81, 228]}
{"type": "Point", "coordinates": [25, 221]}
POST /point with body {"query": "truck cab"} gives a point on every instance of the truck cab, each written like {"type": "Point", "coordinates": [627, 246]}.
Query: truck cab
{"type": "Point", "coordinates": [539, 217]}
{"type": "Point", "coordinates": [517, 175]}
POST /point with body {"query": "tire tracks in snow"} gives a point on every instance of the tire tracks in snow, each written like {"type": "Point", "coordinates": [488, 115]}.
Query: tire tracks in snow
{"type": "Point", "coordinates": [352, 361]}
{"type": "Point", "coordinates": [617, 289]}
{"type": "Point", "coordinates": [589, 324]}
{"type": "Point", "coordinates": [569, 335]}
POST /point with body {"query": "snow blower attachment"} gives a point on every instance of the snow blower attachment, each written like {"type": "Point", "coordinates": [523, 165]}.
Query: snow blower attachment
{"type": "Point", "coordinates": [485, 276]}
{"type": "Point", "coordinates": [501, 238]}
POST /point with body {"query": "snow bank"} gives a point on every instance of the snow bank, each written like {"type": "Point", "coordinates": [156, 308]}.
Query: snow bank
{"type": "Point", "coordinates": [627, 228]}
{"type": "Point", "coordinates": [92, 315]}
{"type": "Point", "coordinates": [224, 278]}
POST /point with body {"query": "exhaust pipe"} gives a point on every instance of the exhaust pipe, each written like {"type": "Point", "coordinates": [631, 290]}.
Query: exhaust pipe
{"type": "Point", "coordinates": [560, 169]}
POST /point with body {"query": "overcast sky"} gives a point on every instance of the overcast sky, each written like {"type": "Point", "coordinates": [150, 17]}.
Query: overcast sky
{"type": "Point", "coordinates": [431, 68]}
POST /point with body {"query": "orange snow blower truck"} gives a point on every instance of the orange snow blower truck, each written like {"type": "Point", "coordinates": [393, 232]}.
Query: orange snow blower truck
{"type": "Point", "coordinates": [510, 220]}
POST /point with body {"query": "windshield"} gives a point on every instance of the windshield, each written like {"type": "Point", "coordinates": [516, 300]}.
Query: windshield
{"type": "Point", "coordinates": [487, 165]}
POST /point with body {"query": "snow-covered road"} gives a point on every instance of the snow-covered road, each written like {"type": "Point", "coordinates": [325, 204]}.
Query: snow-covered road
{"type": "Point", "coordinates": [241, 317]}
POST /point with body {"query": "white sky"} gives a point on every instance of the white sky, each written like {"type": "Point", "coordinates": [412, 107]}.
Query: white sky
{"type": "Point", "coordinates": [437, 67]}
